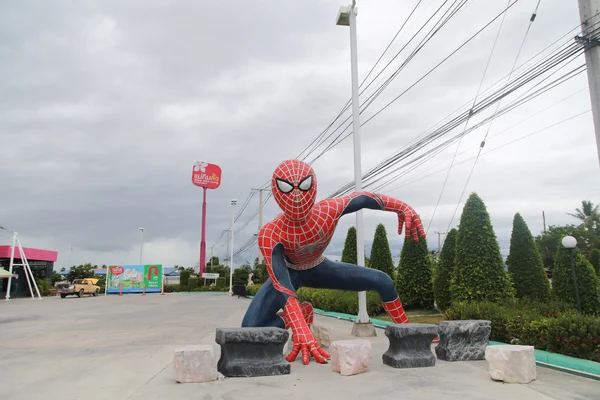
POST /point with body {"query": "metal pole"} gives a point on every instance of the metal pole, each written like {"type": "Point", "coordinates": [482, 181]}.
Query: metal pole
{"type": "Point", "coordinates": [202, 241]}
{"type": "Point", "coordinates": [260, 222]}
{"type": "Point", "coordinates": [227, 250]}
{"type": "Point", "coordinates": [231, 258]}
{"type": "Point", "coordinates": [10, 266]}
{"type": "Point", "coordinates": [141, 243]}
{"type": "Point", "coordinates": [363, 316]}
{"type": "Point", "coordinates": [575, 281]}
{"type": "Point", "coordinates": [588, 13]}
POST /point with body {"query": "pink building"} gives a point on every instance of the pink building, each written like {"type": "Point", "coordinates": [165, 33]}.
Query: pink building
{"type": "Point", "coordinates": [40, 261]}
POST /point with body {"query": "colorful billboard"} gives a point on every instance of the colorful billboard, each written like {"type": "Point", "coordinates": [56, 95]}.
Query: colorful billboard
{"type": "Point", "coordinates": [206, 175]}
{"type": "Point", "coordinates": [134, 278]}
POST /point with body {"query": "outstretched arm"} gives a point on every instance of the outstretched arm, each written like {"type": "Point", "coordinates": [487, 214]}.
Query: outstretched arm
{"type": "Point", "coordinates": [406, 214]}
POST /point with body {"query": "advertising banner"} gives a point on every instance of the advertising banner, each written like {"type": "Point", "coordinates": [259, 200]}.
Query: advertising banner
{"type": "Point", "coordinates": [134, 278]}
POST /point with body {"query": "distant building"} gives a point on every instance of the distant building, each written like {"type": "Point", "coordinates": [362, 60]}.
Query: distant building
{"type": "Point", "coordinates": [40, 261]}
{"type": "Point", "coordinates": [171, 276]}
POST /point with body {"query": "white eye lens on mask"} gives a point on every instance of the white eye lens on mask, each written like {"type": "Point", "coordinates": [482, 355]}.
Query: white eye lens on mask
{"type": "Point", "coordinates": [284, 186]}
{"type": "Point", "coordinates": [306, 184]}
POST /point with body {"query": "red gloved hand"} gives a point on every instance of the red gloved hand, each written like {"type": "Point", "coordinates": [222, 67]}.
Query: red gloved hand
{"type": "Point", "coordinates": [409, 217]}
{"type": "Point", "coordinates": [301, 335]}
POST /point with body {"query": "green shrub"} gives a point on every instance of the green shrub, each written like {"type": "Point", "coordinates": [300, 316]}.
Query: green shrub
{"type": "Point", "coordinates": [193, 283]}
{"type": "Point", "coordinates": [414, 278]}
{"type": "Point", "coordinates": [587, 281]}
{"type": "Point", "coordinates": [381, 256]}
{"type": "Point", "coordinates": [349, 254]}
{"type": "Point", "coordinates": [595, 261]}
{"type": "Point", "coordinates": [221, 282]}
{"type": "Point", "coordinates": [171, 288]}
{"type": "Point", "coordinates": [443, 272]}
{"type": "Point", "coordinates": [479, 273]}
{"type": "Point", "coordinates": [252, 290]}
{"type": "Point", "coordinates": [44, 287]}
{"type": "Point", "coordinates": [341, 301]}
{"type": "Point", "coordinates": [525, 263]}
{"type": "Point", "coordinates": [207, 289]}
{"type": "Point", "coordinates": [184, 277]}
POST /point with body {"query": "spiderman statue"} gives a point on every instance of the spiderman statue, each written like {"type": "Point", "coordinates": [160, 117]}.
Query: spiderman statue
{"type": "Point", "coordinates": [293, 244]}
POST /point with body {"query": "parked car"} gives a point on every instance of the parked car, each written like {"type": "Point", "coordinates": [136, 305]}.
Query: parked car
{"type": "Point", "coordinates": [79, 287]}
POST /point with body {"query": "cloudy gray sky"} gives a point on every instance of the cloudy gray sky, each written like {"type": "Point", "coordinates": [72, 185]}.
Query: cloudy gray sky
{"type": "Point", "coordinates": [106, 105]}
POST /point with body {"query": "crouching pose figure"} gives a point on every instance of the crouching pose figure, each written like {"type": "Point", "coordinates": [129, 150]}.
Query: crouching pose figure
{"type": "Point", "coordinates": [293, 244]}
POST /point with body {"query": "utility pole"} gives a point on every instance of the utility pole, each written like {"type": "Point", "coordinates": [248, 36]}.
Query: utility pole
{"type": "Point", "coordinates": [439, 234]}
{"type": "Point", "coordinates": [227, 252]}
{"type": "Point", "coordinates": [590, 20]}
{"type": "Point", "coordinates": [260, 218]}
{"type": "Point", "coordinates": [544, 218]}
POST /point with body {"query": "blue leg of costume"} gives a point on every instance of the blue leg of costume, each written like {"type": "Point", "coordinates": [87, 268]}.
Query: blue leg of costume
{"type": "Point", "coordinates": [336, 275]}
{"type": "Point", "coordinates": [327, 275]}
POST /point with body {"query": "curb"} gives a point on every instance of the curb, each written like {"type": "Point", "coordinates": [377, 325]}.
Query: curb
{"type": "Point", "coordinates": [559, 362]}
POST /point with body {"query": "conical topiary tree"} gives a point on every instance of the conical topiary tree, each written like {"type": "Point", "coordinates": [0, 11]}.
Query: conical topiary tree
{"type": "Point", "coordinates": [478, 268]}
{"type": "Point", "coordinates": [525, 263]}
{"type": "Point", "coordinates": [587, 281]}
{"type": "Point", "coordinates": [414, 280]}
{"type": "Point", "coordinates": [444, 271]}
{"type": "Point", "coordinates": [349, 253]}
{"type": "Point", "coordinates": [381, 256]}
{"type": "Point", "coordinates": [595, 261]}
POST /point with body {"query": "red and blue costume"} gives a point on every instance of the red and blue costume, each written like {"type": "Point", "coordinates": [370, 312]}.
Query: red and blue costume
{"type": "Point", "coordinates": [293, 245]}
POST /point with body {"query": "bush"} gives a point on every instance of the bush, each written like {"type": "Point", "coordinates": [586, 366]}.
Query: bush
{"type": "Point", "coordinates": [171, 288]}
{"type": "Point", "coordinates": [252, 290]}
{"type": "Point", "coordinates": [193, 283]}
{"type": "Point", "coordinates": [341, 301]}
{"type": "Point", "coordinates": [381, 256]}
{"type": "Point", "coordinates": [414, 277]}
{"type": "Point", "coordinates": [221, 283]}
{"type": "Point", "coordinates": [184, 277]}
{"type": "Point", "coordinates": [443, 272]}
{"type": "Point", "coordinates": [595, 261]}
{"type": "Point", "coordinates": [349, 254]}
{"type": "Point", "coordinates": [511, 321]}
{"type": "Point", "coordinates": [525, 263]}
{"type": "Point", "coordinates": [587, 281]}
{"type": "Point", "coordinates": [479, 273]}
{"type": "Point", "coordinates": [208, 289]}
{"type": "Point", "coordinates": [44, 287]}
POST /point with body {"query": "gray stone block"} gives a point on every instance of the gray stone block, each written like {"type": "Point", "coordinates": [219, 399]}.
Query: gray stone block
{"type": "Point", "coordinates": [410, 345]}
{"type": "Point", "coordinates": [464, 340]}
{"type": "Point", "coordinates": [252, 351]}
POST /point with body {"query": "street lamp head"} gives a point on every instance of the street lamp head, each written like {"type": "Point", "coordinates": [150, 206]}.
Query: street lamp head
{"type": "Point", "coordinates": [569, 242]}
{"type": "Point", "coordinates": [233, 202]}
{"type": "Point", "coordinates": [142, 229]}
{"type": "Point", "coordinates": [343, 17]}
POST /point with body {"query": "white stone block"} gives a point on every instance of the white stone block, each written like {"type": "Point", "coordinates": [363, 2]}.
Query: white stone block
{"type": "Point", "coordinates": [511, 364]}
{"type": "Point", "coordinates": [350, 357]}
{"type": "Point", "coordinates": [194, 364]}
{"type": "Point", "coordinates": [322, 334]}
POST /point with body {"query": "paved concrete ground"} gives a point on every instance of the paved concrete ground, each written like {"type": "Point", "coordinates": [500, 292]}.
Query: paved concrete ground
{"type": "Point", "coordinates": [122, 348]}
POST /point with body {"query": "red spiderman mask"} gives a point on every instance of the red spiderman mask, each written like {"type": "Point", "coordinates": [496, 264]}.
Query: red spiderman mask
{"type": "Point", "coordinates": [294, 187]}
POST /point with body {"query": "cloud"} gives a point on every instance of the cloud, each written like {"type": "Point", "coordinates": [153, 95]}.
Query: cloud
{"type": "Point", "coordinates": [110, 104]}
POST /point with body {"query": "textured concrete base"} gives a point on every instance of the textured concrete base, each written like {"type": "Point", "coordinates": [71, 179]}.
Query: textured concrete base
{"type": "Point", "coordinates": [464, 340]}
{"type": "Point", "coordinates": [252, 352]}
{"type": "Point", "coordinates": [363, 329]}
{"type": "Point", "coordinates": [410, 345]}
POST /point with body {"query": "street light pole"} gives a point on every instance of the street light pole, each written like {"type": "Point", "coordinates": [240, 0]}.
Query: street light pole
{"type": "Point", "coordinates": [141, 243]}
{"type": "Point", "coordinates": [347, 17]}
{"type": "Point", "coordinates": [233, 203]}
{"type": "Point", "coordinates": [569, 242]}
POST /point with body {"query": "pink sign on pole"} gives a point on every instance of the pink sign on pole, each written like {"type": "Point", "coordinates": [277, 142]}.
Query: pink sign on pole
{"type": "Point", "coordinates": [207, 176]}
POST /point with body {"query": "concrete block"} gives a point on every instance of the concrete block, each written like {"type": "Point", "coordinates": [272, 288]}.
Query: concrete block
{"type": "Point", "coordinates": [511, 364]}
{"type": "Point", "coordinates": [410, 345]}
{"type": "Point", "coordinates": [322, 334]}
{"type": "Point", "coordinates": [195, 364]}
{"type": "Point", "coordinates": [252, 351]}
{"type": "Point", "coordinates": [463, 340]}
{"type": "Point", "coordinates": [351, 357]}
